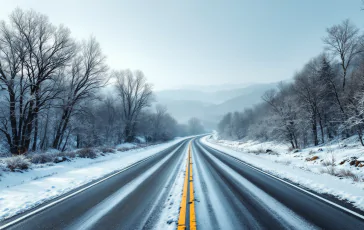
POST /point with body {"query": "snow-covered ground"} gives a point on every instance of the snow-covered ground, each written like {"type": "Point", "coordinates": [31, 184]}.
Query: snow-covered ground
{"type": "Point", "coordinates": [20, 191]}
{"type": "Point", "coordinates": [330, 172]}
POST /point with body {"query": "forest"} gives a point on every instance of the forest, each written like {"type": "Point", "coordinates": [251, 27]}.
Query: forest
{"type": "Point", "coordinates": [59, 93]}
{"type": "Point", "coordinates": [323, 101]}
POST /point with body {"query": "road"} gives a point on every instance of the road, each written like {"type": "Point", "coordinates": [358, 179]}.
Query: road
{"type": "Point", "coordinates": [219, 192]}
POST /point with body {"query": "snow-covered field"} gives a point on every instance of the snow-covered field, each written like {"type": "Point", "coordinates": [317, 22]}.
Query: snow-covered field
{"type": "Point", "coordinates": [325, 169]}
{"type": "Point", "coordinates": [20, 191]}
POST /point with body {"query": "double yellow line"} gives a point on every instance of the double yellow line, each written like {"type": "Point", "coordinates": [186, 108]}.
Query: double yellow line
{"type": "Point", "coordinates": [190, 206]}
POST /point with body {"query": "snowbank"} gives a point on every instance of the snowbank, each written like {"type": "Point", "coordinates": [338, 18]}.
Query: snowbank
{"type": "Point", "coordinates": [324, 175]}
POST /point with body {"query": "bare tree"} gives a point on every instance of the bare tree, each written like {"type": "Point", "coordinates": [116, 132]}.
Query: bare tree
{"type": "Point", "coordinates": [355, 105]}
{"type": "Point", "coordinates": [283, 106]}
{"type": "Point", "coordinates": [321, 99]}
{"type": "Point", "coordinates": [50, 91]}
{"type": "Point", "coordinates": [344, 40]}
{"type": "Point", "coordinates": [310, 89]}
{"type": "Point", "coordinates": [195, 126]}
{"type": "Point", "coordinates": [135, 94]}
{"type": "Point", "coordinates": [34, 51]}
{"type": "Point", "coordinates": [87, 74]}
{"type": "Point", "coordinates": [157, 121]}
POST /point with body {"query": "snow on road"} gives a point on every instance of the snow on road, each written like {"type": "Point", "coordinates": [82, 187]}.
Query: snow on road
{"type": "Point", "coordinates": [169, 216]}
{"type": "Point", "coordinates": [22, 191]}
{"type": "Point", "coordinates": [343, 189]}
{"type": "Point", "coordinates": [97, 212]}
{"type": "Point", "coordinates": [211, 212]}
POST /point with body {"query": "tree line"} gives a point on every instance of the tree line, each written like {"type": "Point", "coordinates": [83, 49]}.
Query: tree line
{"type": "Point", "coordinates": [51, 92]}
{"type": "Point", "coordinates": [325, 99]}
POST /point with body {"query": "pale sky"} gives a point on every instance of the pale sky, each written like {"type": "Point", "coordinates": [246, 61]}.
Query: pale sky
{"type": "Point", "coordinates": [195, 42]}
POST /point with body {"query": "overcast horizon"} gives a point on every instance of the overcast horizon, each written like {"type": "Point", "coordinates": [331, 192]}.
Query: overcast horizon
{"type": "Point", "coordinates": [178, 44]}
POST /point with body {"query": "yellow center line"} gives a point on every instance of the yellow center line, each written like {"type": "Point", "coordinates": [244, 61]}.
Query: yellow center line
{"type": "Point", "coordinates": [191, 204]}
{"type": "Point", "coordinates": [183, 210]}
{"type": "Point", "coordinates": [192, 197]}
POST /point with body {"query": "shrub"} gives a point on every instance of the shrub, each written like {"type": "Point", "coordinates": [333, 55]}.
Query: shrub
{"type": "Point", "coordinates": [327, 163]}
{"type": "Point", "coordinates": [69, 154]}
{"type": "Point", "coordinates": [107, 150]}
{"type": "Point", "coordinates": [143, 145]}
{"type": "Point", "coordinates": [258, 151]}
{"type": "Point", "coordinates": [274, 153]}
{"type": "Point", "coordinates": [66, 154]}
{"type": "Point", "coordinates": [41, 158]}
{"type": "Point", "coordinates": [122, 149]}
{"type": "Point", "coordinates": [349, 174]}
{"type": "Point", "coordinates": [87, 153]}
{"type": "Point", "coordinates": [329, 170]}
{"type": "Point", "coordinates": [331, 161]}
{"type": "Point", "coordinates": [17, 162]}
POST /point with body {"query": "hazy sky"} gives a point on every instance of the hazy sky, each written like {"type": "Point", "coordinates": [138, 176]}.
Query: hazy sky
{"type": "Point", "coordinates": [201, 42]}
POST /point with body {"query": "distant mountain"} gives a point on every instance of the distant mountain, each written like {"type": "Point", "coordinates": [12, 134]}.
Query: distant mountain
{"type": "Point", "coordinates": [248, 97]}
{"type": "Point", "coordinates": [215, 97]}
{"type": "Point", "coordinates": [182, 95]}
{"type": "Point", "coordinates": [183, 110]}
{"type": "Point", "coordinates": [210, 106]}
{"type": "Point", "coordinates": [214, 88]}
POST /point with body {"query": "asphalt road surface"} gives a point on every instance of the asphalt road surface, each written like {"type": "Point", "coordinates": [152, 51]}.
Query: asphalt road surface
{"type": "Point", "coordinates": [228, 194]}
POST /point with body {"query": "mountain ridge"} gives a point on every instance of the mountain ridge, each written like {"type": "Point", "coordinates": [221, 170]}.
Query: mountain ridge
{"type": "Point", "coordinates": [209, 107]}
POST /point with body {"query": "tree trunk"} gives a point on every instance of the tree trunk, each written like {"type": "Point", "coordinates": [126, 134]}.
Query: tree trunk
{"type": "Point", "coordinates": [36, 111]}
{"type": "Point", "coordinates": [61, 128]}
{"type": "Point", "coordinates": [328, 128]}
{"type": "Point", "coordinates": [78, 141]}
{"type": "Point", "coordinates": [344, 80]}
{"type": "Point", "coordinates": [27, 129]}
{"type": "Point", "coordinates": [65, 144]}
{"type": "Point", "coordinates": [128, 133]}
{"type": "Point", "coordinates": [15, 138]}
{"type": "Point", "coordinates": [34, 148]}
{"type": "Point", "coordinates": [292, 145]}
{"type": "Point", "coordinates": [321, 128]}
{"type": "Point", "coordinates": [43, 141]}
{"type": "Point", "coordinates": [360, 135]}
{"type": "Point", "coordinates": [314, 132]}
